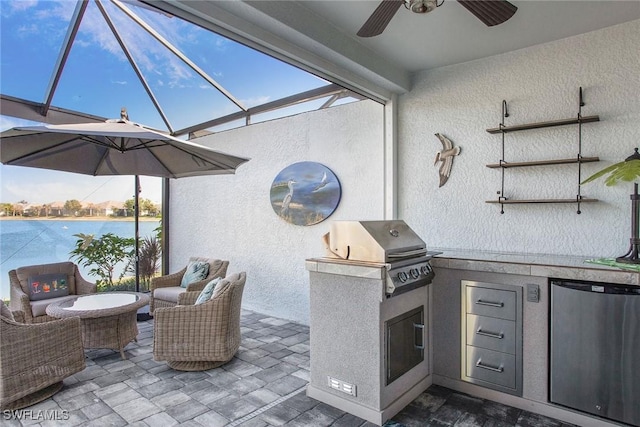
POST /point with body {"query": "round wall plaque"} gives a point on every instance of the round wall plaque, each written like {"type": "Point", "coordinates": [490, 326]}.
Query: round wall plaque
{"type": "Point", "coordinates": [305, 193]}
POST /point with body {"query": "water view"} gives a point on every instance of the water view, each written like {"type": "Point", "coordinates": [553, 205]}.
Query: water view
{"type": "Point", "coordinates": [29, 242]}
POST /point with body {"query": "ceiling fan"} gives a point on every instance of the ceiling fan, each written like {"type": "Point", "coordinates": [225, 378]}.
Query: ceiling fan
{"type": "Point", "coordinates": [491, 12]}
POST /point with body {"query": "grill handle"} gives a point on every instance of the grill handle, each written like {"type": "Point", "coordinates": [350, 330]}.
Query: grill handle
{"type": "Point", "coordinates": [407, 254]}
{"type": "Point", "coordinates": [326, 238]}
{"type": "Point", "coordinates": [418, 332]}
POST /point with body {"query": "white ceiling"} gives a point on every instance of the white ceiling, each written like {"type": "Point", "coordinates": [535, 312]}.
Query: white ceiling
{"type": "Point", "coordinates": [450, 34]}
{"type": "Point", "coordinates": [320, 35]}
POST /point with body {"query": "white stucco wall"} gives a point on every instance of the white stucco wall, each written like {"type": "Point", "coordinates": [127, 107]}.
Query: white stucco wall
{"type": "Point", "coordinates": [230, 216]}
{"type": "Point", "coordinates": [539, 84]}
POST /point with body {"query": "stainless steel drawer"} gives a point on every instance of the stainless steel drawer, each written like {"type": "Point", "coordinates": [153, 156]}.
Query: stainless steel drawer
{"type": "Point", "coordinates": [491, 333]}
{"type": "Point", "coordinates": [491, 366]}
{"type": "Point", "coordinates": [491, 302]}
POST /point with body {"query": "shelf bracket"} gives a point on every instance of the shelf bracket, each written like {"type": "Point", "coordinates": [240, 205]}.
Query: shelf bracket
{"type": "Point", "coordinates": [578, 200]}
{"type": "Point", "coordinates": [580, 105]}
{"type": "Point", "coordinates": [501, 199]}
{"type": "Point", "coordinates": [505, 111]}
{"type": "Point", "coordinates": [505, 114]}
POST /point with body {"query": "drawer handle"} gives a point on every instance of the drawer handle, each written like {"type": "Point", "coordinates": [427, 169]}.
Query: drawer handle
{"type": "Point", "coordinates": [419, 328]}
{"type": "Point", "coordinates": [490, 303]}
{"type": "Point", "coordinates": [499, 335]}
{"type": "Point", "coordinates": [479, 364]}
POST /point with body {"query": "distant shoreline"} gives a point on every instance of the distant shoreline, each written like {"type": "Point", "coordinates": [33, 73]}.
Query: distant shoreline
{"type": "Point", "coordinates": [76, 218]}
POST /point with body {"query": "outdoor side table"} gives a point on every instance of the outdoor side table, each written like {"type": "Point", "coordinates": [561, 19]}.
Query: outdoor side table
{"type": "Point", "coordinates": [108, 319]}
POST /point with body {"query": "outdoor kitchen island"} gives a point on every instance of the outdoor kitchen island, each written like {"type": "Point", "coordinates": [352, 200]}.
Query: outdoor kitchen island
{"type": "Point", "coordinates": [369, 351]}
{"type": "Point", "coordinates": [532, 273]}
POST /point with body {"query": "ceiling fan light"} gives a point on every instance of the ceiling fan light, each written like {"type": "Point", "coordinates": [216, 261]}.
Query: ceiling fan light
{"type": "Point", "coordinates": [423, 6]}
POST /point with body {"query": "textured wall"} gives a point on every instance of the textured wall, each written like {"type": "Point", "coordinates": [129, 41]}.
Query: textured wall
{"type": "Point", "coordinates": [230, 216]}
{"type": "Point", "coordinates": [539, 83]}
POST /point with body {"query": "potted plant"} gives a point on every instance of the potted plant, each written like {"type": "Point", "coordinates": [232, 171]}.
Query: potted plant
{"type": "Point", "coordinates": [627, 170]}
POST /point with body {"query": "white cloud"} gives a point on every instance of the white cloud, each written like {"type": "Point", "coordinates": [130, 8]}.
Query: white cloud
{"type": "Point", "coordinates": [256, 100]}
{"type": "Point", "coordinates": [221, 44]}
{"type": "Point", "coordinates": [28, 29]}
{"type": "Point", "coordinates": [7, 122]}
{"type": "Point", "coordinates": [59, 186]}
{"type": "Point", "coordinates": [22, 5]}
{"type": "Point", "coordinates": [96, 31]}
{"type": "Point", "coordinates": [149, 54]}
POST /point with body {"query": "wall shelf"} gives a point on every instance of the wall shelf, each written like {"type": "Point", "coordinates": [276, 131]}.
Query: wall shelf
{"type": "Point", "coordinates": [548, 124]}
{"type": "Point", "coordinates": [529, 201]}
{"type": "Point", "coordinates": [579, 159]}
{"type": "Point", "coordinates": [543, 162]}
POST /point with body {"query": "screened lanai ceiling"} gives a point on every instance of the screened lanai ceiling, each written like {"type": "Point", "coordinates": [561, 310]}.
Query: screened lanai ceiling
{"type": "Point", "coordinates": [71, 61]}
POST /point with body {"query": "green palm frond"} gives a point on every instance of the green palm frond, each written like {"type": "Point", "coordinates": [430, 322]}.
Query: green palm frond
{"type": "Point", "coordinates": [627, 171]}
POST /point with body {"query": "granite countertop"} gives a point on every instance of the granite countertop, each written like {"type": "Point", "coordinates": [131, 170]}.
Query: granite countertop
{"type": "Point", "coordinates": [540, 265]}
{"type": "Point", "coordinates": [557, 266]}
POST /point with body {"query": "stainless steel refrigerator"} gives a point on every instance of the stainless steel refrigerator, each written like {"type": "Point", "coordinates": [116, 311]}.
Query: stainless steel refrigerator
{"type": "Point", "coordinates": [595, 349]}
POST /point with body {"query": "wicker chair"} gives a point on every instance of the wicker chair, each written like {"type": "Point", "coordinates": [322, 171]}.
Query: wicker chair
{"type": "Point", "coordinates": [200, 337]}
{"type": "Point", "coordinates": [35, 358]}
{"type": "Point", "coordinates": [164, 290]}
{"type": "Point", "coordinates": [35, 311]}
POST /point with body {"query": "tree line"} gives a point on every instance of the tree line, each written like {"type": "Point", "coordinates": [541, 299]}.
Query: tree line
{"type": "Point", "coordinates": [74, 208]}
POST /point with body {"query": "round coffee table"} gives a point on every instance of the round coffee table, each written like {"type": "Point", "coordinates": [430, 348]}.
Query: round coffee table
{"type": "Point", "coordinates": [108, 319]}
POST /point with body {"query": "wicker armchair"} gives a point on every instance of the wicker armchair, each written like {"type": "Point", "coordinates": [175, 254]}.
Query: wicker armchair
{"type": "Point", "coordinates": [35, 311]}
{"type": "Point", "coordinates": [35, 358]}
{"type": "Point", "coordinates": [200, 337]}
{"type": "Point", "coordinates": [164, 290]}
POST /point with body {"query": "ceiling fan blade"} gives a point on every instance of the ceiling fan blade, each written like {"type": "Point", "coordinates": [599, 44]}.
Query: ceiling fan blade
{"type": "Point", "coordinates": [380, 18]}
{"type": "Point", "coordinates": [491, 12]}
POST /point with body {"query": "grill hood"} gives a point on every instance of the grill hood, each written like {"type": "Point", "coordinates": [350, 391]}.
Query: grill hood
{"type": "Point", "coordinates": [373, 241]}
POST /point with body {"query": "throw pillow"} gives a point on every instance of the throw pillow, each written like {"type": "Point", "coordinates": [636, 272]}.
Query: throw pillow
{"type": "Point", "coordinates": [207, 292]}
{"type": "Point", "coordinates": [196, 271]}
{"type": "Point", "coordinates": [47, 286]}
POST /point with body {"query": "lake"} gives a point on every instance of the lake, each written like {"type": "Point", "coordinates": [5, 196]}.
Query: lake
{"type": "Point", "coordinates": [29, 242]}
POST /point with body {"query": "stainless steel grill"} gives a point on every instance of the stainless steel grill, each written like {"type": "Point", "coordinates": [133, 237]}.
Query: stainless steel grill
{"type": "Point", "coordinates": [392, 243]}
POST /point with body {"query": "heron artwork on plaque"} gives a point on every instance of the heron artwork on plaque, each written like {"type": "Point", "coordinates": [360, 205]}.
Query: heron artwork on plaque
{"type": "Point", "coordinates": [305, 193]}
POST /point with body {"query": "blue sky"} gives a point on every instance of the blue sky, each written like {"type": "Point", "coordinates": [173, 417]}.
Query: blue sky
{"type": "Point", "coordinates": [98, 79]}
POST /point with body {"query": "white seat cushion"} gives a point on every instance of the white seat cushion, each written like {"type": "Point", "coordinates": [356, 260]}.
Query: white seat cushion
{"type": "Point", "coordinates": [39, 308]}
{"type": "Point", "coordinates": [169, 293]}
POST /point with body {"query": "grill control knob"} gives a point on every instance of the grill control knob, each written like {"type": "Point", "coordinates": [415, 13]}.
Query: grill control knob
{"type": "Point", "coordinates": [414, 273]}
{"type": "Point", "coordinates": [426, 269]}
{"type": "Point", "coordinates": [402, 276]}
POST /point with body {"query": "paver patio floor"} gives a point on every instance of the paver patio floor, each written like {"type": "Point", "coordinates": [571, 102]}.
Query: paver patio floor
{"type": "Point", "coordinates": [264, 385]}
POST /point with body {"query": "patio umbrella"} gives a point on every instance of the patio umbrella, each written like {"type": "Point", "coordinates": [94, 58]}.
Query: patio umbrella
{"type": "Point", "coordinates": [114, 147]}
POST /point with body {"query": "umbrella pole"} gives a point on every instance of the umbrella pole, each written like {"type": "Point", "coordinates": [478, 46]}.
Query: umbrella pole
{"type": "Point", "coordinates": [136, 213]}
{"type": "Point", "coordinates": [140, 316]}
